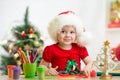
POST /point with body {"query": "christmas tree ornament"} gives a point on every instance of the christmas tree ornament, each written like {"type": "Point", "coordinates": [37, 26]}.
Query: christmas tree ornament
{"type": "Point", "coordinates": [10, 51]}
{"type": "Point", "coordinates": [15, 56]}
{"type": "Point", "coordinates": [27, 47]}
{"type": "Point", "coordinates": [10, 47]}
{"type": "Point", "coordinates": [113, 54]}
{"type": "Point", "coordinates": [116, 53]}
{"type": "Point", "coordinates": [23, 34]}
{"type": "Point", "coordinates": [18, 62]}
{"type": "Point", "coordinates": [37, 43]}
{"type": "Point", "coordinates": [33, 36]}
{"type": "Point", "coordinates": [31, 31]}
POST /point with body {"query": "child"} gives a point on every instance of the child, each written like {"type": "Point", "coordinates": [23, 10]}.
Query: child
{"type": "Point", "coordinates": [70, 40]}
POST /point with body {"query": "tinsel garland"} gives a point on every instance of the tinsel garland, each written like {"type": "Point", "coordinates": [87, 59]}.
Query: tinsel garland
{"type": "Point", "coordinates": [72, 68]}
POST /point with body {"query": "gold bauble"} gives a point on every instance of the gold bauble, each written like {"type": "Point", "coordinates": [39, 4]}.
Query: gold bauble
{"type": "Point", "coordinates": [33, 36]}
{"type": "Point", "coordinates": [15, 56]}
{"type": "Point", "coordinates": [37, 43]}
{"type": "Point", "coordinates": [18, 62]}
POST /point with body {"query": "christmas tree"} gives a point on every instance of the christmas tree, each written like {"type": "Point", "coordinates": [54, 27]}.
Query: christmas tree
{"type": "Point", "coordinates": [27, 38]}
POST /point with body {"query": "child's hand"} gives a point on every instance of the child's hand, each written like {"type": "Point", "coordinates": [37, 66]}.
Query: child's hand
{"type": "Point", "coordinates": [88, 66]}
{"type": "Point", "coordinates": [51, 71]}
{"type": "Point", "coordinates": [87, 70]}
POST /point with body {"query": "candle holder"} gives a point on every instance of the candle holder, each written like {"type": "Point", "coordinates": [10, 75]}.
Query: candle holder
{"type": "Point", "coordinates": [104, 62]}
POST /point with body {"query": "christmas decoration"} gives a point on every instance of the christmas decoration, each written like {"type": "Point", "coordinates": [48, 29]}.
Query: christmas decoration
{"type": "Point", "coordinates": [27, 38]}
{"type": "Point", "coordinates": [72, 67]}
{"type": "Point", "coordinates": [104, 61]}
{"type": "Point", "coordinates": [114, 17]}
{"type": "Point", "coordinates": [23, 34]}
{"type": "Point", "coordinates": [31, 31]}
{"type": "Point", "coordinates": [116, 53]}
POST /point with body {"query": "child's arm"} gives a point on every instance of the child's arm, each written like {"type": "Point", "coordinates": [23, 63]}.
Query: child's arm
{"type": "Point", "coordinates": [88, 65]}
{"type": "Point", "coordinates": [49, 70]}
{"type": "Point", "coordinates": [44, 63]}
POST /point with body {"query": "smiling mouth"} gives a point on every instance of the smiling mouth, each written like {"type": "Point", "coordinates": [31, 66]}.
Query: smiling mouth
{"type": "Point", "coordinates": [67, 40]}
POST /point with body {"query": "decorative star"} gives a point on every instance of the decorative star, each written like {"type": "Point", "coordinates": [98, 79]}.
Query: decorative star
{"type": "Point", "coordinates": [27, 47]}
{"type": "Point", "coordinates": [106, 43]}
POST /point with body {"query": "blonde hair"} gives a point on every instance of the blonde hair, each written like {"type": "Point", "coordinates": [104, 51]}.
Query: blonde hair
{"type": "Point", "coordinates": [68, 19]}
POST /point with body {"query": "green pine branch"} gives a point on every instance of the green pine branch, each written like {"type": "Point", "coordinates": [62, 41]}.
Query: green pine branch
{"type": "Point", "coordinates": [26, 17]}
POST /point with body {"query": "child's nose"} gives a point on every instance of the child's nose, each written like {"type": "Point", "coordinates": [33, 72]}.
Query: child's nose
{"type": "Point", "coordinates": [67, 34]}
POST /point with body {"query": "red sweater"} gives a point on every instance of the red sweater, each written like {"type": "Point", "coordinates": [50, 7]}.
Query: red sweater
{"type": "Point", "coordinates": [59, 57]}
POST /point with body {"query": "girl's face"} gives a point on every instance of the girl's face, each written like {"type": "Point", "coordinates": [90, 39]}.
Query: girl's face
{"type": "Point", "coordinates": [67, 35]}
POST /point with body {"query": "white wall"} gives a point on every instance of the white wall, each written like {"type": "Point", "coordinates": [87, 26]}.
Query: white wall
{"type": "Point", "coordinates": [92, 12]}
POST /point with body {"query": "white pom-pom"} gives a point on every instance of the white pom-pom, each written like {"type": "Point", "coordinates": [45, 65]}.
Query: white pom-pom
{"type": "Point", "coordinates": [85, 38]}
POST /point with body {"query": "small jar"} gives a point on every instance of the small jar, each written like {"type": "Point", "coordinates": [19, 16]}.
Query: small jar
{"type": "Point", "coordinates": [16, 72]}
{"type": "Point", "coordinates": [10, 70]}
{"type": "Point", "coordinates": [41, 73]}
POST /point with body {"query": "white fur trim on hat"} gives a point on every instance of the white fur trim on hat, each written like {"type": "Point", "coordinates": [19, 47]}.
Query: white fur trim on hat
{"type": "Point", "coordinates": [68, 19]}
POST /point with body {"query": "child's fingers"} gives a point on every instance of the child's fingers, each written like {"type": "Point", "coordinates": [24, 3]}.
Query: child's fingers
{"type": "Point", "coordinates": [53, 71]}
{"type": "Point", "coordinates": [87, 73]}
{"type": "Point", "coordinates": [56, 67]}
{"type": "Point", "coordinates": [82, 70]}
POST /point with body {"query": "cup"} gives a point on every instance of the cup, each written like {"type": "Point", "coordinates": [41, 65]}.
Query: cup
{"type": "Point", "coordinates": [10, 70]}
{"type": "Point", "coordinates": [29, 70]}
{"type": "Point", "coordinates": [16, 72]}
{"type": "Point", "coordinates": [41, 73]}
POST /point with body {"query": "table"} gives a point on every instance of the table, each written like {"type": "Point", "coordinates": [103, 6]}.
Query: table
{"type": "Point", "coordinates": [5, 77]}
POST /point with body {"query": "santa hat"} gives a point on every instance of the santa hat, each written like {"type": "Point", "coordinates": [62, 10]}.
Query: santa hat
{"type": "Point", "coordinates": [69, 18]}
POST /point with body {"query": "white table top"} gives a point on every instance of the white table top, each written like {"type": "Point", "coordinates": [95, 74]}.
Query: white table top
{"type": "Point", "coordinates": [5, 77]}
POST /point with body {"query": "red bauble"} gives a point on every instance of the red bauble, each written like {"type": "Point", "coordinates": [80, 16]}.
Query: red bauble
{"type": "Point", "coordinates": [23, 34]}
{"type": "Point", "coordinates": [118, 52]}
{"type": "Point", "coordinates": [31, 31]}
{"type": "Point", "coordinates": [93, 73]}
